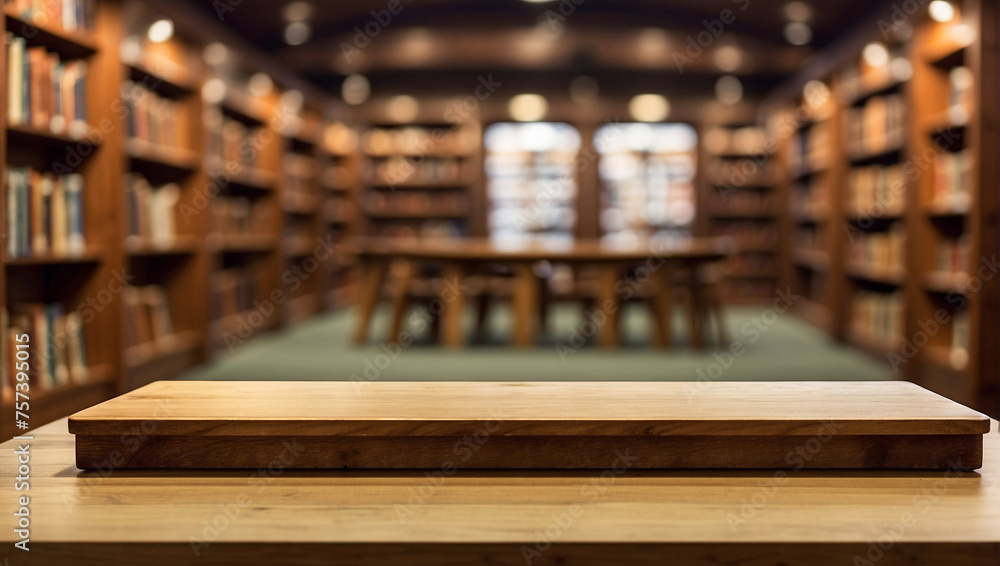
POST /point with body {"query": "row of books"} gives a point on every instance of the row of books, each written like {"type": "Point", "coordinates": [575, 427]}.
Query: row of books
{"type": "Point", "coordinates": [961, 97]}
{"type": "Point", "coordinates": [234, 290]}
{"type": "Point", "coordinates": [338, 210]}
{"type": "Point", "coordinates": [746, 201]}
{"type": "Point", "coordinates": [299, 173]}
{"type": "Point", "coordinates": [740, 172]}
{"type": "Point", "coordinates": [70, 15]}
{"type": "Point", "coordinates": [155, 119]}
{"type": "Point", "coordinates": [754, 264]}
{"type": "Point", "coordinates": [878, 315]}
{"type": "Point", "coordinates": [297, 229]}
{"type": "Point", "coordinates": [428, 229]}
{"type": "Point", "coordinates": [56, 349]}
{"type": "Point", "coordinates": [748, 233]}
{"type": "Point", "coordinates": [876, 126]}
{"type": "Point", "coordinates": [953, 255]}
{"type": "Point", "coordinates": [953, 179]}
{"type": "Point", "coordinates": [809, 237]}
{"type": "Point", "coordinates": [856, 80]}
{"type": "Point", "coordinates": [750, 140]}
{"type": "Point", "coordinates": [241, 215]}
{"type": "Point", "coordinates": [876, 190]}
{"type": "Point", "coordinates": [151, 211]}
{"type": "Point", "coordinates": [811, 148]}
{"type": "Point", "coordinates": [810, 199]}
{"type": "Point", "coordinates": [147, 316]}
{"type": "Point", "coordinates": [881, 252]}
{"type": "Point", "coordinates": [399, 170]}
{"type": "Point", "coordinates": [231, 141]}
{"type": "Point", "coordinates": [418, 141]}
{"type": "Point", "coordinates": [337, 177]}
{"type": "Point", "coordinates": [416, 202]}
{"type": "Point", "coordinates": [43, 91]}
{"type": "Point", "coordinates": [44, 212]}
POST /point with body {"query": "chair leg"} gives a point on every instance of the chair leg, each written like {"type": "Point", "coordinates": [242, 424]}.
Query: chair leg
{"type": "Point", "coordinates": [400, 302]}
{"type": "Point", "coordinates": [482, 311]}
{"type": "Point", "coordinates": [694, 312]}
{"type": "Point", "coordinates": [374, 276]}
{"type": "Point", "coordinates": [543, 304]}
{"type": "Point", "coordinates": [720, 316]}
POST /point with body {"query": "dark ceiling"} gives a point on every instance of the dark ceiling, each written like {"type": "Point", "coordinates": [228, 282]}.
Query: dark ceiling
{"type": "Point", "coordinates": [596, 38]}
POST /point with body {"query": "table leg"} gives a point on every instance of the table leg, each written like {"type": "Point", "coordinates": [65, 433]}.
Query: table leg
{"type": "Point", "coordinates": [663, 305]}
{"type": "Point", "coordinates": [373, 277]}
{"type": "Point", "coordinates": [525, 299]}
{"type": "Point", "coordinates": [694, 308]}
{"type": "Point", "coordinates": [453, 303]}
{"type": "Point", "coordinates": [401, 301]}
{"type": "Point", "coordinates": [607, 301]}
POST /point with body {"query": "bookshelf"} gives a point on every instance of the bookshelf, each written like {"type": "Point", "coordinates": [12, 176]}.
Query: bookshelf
{"type": "Point", "coordinates": [339, 177]}
{"type": "Point", "coordinates": [163, 322]}
{"type": "Point", "coordinates": [76, 276]}
{"type": "Point", "coordinates": [418, 176]}
{"type": "Point", "coordinates": [741, 200]}
{"type": "Point", "coordinates": [912, 138]}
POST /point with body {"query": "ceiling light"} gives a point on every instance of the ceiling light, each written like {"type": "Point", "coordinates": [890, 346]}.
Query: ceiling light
{"type": "Point", "coordinates": [875, 54]}
{"type": "Point", "coordinates": [652, 40]}
{"type": "Point", "coordinates": [941, 11]}
{"type": "Point", "coordinates": [798, 33]}
{"type": "Point", "coordinates": [161, 30]}
{"type": "Point", "coordinates": [297, 12]}
{"type": "Point", "coordinates": [213, 91]}
{"type": "Point", "coordinates": [528, 107]}
{"type": "Point", "coordinates": [355, 89]}
{"type": "Point", "coordinates": [291, 101]}
{"type": "Point", "coordinates": [649, 107]}
{"type": "Point", "coordinates": [816, 94]}
{"type": "Point", "coordinates": [728, 58]}
{"type": "Point", "coordinates": [402, 108]}
{"type": "Point", "coordinates": [797, 12]}
{"type": "Point", "coordinates": [215, 54]}
{"type": "Point", "coordinates": [728, 90]}
{"type": "Point", "coordinates": [297, 33]}
{"type": "Point", "coordinates": [260, 84]}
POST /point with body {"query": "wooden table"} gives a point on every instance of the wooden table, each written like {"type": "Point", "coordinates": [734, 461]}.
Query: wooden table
{"type": "Point", "coordinates": [459, 257]}
{"type": "Point", "coordinates": [619, 516]}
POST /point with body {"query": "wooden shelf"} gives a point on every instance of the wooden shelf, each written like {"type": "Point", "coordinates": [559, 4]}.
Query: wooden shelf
{"type": "Point", "coordinates": [298, 247]}
{"type": "Point", "coordinates": [181, 245]}
{"type": "Point", "coordinates": [417, 185]}
{"type": "Point", "coordinates": [171, 158]}
{"type": "Point", "coordinates": [25, 134]}
{"type": "Point", "coordinates": [862, 215]}
{"type": "Point", "coordinates": [858, 157]}
{"type": "Point", "coordinates": [300, 204]}
{"type": "Point", "coordinates": [946, 209]}
{"type": "Point", "coordinates": [69, 44]}
{"type": "Point", "coordinates": [245, 177]}
{"type": "Point", "coordinates": [860, 271]}
{"type": "Point", "coordinates": [865, 92]}
{"type": "Point", "coordinates": [172, 84]}
{"type": "Point", "coordinates": [945, 283]}
{"type": "Point", "coordinates": [91, 255]}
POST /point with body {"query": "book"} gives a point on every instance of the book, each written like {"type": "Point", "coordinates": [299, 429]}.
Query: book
{"type": "Point", "coordinates": [44, 92]}
{"type": "Point", "coordinates": [56, 343]}
{"type": "Point", "coordinates": [953, 179]}
{"type": "Point", "coordinates": [70, 15]}
{"type": "Point", "coordinates": [151, 211]}
{"type": "Point", "coordinates": [44, 213]}
{"type": "Point", "coordinates": [76, 354]}
{"type": "Point", "coordinates": [153, 118]}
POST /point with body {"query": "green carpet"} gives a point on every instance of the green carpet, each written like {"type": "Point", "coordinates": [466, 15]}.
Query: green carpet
{"type": "Point", "coordinates": [769, 348]}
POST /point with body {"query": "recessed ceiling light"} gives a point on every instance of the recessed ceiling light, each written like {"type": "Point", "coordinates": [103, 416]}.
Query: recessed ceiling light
{"type": "Point", "coordinates": [528, 107]}
{"type": "Point", "coordinates": [403, 108]}
{"type": "Point", "coordinates": [816, 94]}
{"type": "Point", "coordinates": [291, 101]}
{"type": "Point", "coordinates": [728, 58]}
{"type": "Point", "coordinates": [798, 33]}
{"type": "Point", "coordinates": [260, 84]}
{"type": "Point", "coordinates": [649, 107]}
{"type": "Point", "coordinates": [355, 89]}
{"type": "Point", "coordinates": [213, 91]}
{"type": "Point", "coordinates": [297, 12]}
{"type": "Point", "coordinates": [729, 90]}
{"type": "Point", "coordinates": [797, 12]}
{"type": "Point", "coordinates": [941, 11]}
{"type": "Point", "coordinates": [215, 54]}
{"type": "Point", "coordinates": [297, 33]}
{"type": "Point", "coordinates": [161, 30]}
{"type": "Point", "coordinates": [875, 54]}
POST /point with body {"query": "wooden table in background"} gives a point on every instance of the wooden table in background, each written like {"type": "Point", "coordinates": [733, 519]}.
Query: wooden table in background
{"type": "Point", "coordinates": [459, 257]}
{"type": "Point", "coordinates": [618, 516]}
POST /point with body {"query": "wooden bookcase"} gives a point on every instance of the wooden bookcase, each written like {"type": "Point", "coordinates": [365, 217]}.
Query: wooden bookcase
{"type": "Point", "coordinates": [742, 199]}
{"type": "Point", "coordinates": [339, 178]}
{"type": "Point", "coordinates": [183, 264]}
{"type": "Point", "coordinates": [905, 234]}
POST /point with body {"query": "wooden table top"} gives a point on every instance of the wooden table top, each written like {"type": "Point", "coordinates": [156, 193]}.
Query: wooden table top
{"type": "Point", "coordinates": [168, 516]}
{"type": "Point", "coordinates": [585, 250]}
{"type": "Point", "coordinates": [391, 408]}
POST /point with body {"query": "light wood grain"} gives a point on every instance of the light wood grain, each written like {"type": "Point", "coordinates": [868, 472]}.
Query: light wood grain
{"type": "Point", "coordinates": [637, 517]}
{"type": "Point", "coordinates": [527, 408]}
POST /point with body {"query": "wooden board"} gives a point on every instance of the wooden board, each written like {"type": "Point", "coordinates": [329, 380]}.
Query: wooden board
{"type": "Point", "coordinates": [615, 515]}
{"type": "Point", "coordinates": [195, 424]}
